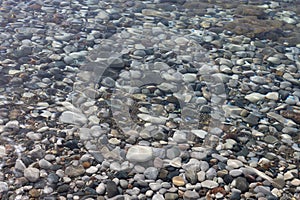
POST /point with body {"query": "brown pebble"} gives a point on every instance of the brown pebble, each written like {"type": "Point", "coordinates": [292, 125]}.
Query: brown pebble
{"type": "Point", "coordinates": [86, 164]}
{"type": "Point", "coordinates": [34, 192]}
{"type": "Point", "coordinates": [178, 181]}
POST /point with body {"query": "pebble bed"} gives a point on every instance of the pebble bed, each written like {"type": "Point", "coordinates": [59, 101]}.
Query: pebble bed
{"type": "Point", "coordinates": [157, 99]}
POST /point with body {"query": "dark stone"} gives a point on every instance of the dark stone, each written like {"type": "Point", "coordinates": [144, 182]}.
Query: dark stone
{"type": "Point", "coordinates": [242, 184]}
{"type": "Point", "coordinates": [235, 195]}
{"type": "Point", "coordinates": [72, 144]}
{"type": "Point", "coordinates": [111, 189]}
{"type": "Point", "coordinates": [163, 173]}
{"type": "Point", "coordinates": [63, 188]}
{"type": "Point", "coordinates": [52, 178]}
{"type": "Point", "coordinates": [121, 175]}
{"type": "Point", "coordinates": [227, 178]}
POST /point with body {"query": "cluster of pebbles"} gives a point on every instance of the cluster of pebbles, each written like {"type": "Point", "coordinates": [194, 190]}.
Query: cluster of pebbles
{"type": "Point", "coordinates": [148, 100]}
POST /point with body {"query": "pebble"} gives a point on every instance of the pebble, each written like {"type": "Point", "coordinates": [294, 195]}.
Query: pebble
{"type": "Point", "coordinates": [70, 117]}
{"type": "Point", "coordinates": [111, 189]}
{"type": "Point", "coordinates": [32, 174]}
{"type": "Point", "coordinates": [190, 195]}
{"type": "Point", "coordinates": [234, 163]}
{"type": "Point", "coordinates": [178, 181]}
{"type": "Point", "coordinates": [151, 173]}
{"type": "Point", "coordinates": [241, 184]}
{"type": "Point", "coordinates": [209, 184]}
{"type": "Point", "coordinates": [254, 97]}
{"type": "Point", "coordinates": [139, 153]}
{"type": "Point", "coordinates": [3, 187]}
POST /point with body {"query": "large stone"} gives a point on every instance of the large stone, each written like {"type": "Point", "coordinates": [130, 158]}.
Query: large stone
{"type": "Point", "coordinates": [139, 153]}
{"type": "Point", "coordinates": [254, 97]}
{"type": "Point", "coordinates": [32, 174]}
{"type": "Point", "coordinates": [70, 117]}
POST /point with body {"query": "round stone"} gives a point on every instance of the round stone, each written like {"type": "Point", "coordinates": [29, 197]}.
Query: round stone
{"type": "Point", "coordinates": [139, 153]}
{"type": "Point", "coordinates": [178, 181]}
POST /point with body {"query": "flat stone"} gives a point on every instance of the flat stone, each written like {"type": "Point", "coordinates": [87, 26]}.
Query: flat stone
{"type": "Point", "coordinates": [234, 163]}
{"type": "Point", "coordinates": [74, 171]}
{"type": "Point", "coordinates": [178, 181]}
{"type": "Point", "coordinates": [70, 117]}
{"type": "Point", "coordinates": [91, 170]}
{"type": "Point", "coordinates": [152, 119]}
{"type": "Point", "coordinates": [199, 133]}
{"type": "Point", "coordinates": [171, 196]}
{"type": "Point", "coordinates": [209, 184]}
{"type": "Point", "coordinates": [254, 97]}
{"type": "Point", "coordinates": [139, 153]}
{"type": "Point", "coordinates": [155, 186]}
{"type": "Point", "coordinates": [190, 195]}
{"type": "Point", "coordinates": [272, 96]}
{"type": "Point", "coordinates": [32, 174]}
{"type": "Point", "coordinates": [295, 182]}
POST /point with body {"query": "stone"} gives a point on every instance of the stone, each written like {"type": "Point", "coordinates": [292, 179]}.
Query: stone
{"type": "Point", "coordinates": [139, 153]}
{"type": "Point", "coordinates": [92, 170]}
{"type": "Point", "coordinates": [101, 189]}
{"type": "Point", "coordinates": [209, 184]}
{"type": "Point", "coordinates": [155, 186]}
{"type": "Point", "coordinates": [171, 196]}
{"type": "Point", "coordinates": [70, 117]}
{"type": "Point", "coordinates": [151, 173]}
{"type": "Point", "coordinates": [241, 184]}
{"type": "Point", "coordinates": [3, 187]}
{"type": "Point", "coordinates": [178, 181]}
{"type": "Point", "coordinates": [199, 133]}
{"type": "Point", "coordinates": [254, 97]}
{"type": "Point", "coordinates": [272, 96]}
{"type": "Point", "coordinates": [32, 174]}
{"type": "Point", "coordinates": [44, 164]}
{"type": "Point", "coordinates": [190, 195]}
{"type": "Point", "coordinates": [74, 171]}
{"type": "Point", "coordinates": [112, 189]}
{"type": "Point", "coordinates": [233, 163]}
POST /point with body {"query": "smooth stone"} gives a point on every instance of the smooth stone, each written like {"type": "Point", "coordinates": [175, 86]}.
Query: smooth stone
{"type": "Point", "coordinates": [235, 195]}
{"type": "Point", "coordinates": [254, 97]}
{"type": "Point", "coordinates": [295, 182]}
{"type": "Point", "coordinates": [258, 79]}
{"type": "Point", "coordinates": [270, 139]}
{"type": "Point", "coordinates": [171, 196]}
{"type": "Point", "coordinates": [211, 173]}
{"type": "Point", "coordinates": [32, 174]}
{"type": "Point", "coordinates": [74, 171]}
{"type": "Point", "coordinates": [233, 163]}
{"type": "Point", "coordinates": [3, 187]}
{"type": "Point", "coordinates": [241, 184]}
{"type": "Point", "coordinates": [91, 170]}
{"type": "Point", "coordinates": [152, 119]}
{"type": "Point", "coordinates": [272, 96]}
{"type": "Point", "coordinates": [209, 184]}
{"type": "Point", "coordinates": [155, 186]}
{"type": "Point", "coordinates": [158, 197]}
{"type": "Point", "coordinates": [235, 172]}
{"type": "Point", "coordinates": [191, 195]}
{"type": "Point", "coordinates": [178, 181]}
{"type": "Point", "coordinates": [151, 173]}
{"type": "Point", "coordinates": [199, 133]}
{"type": "Point", "coordinates": [112, 189]}
{"type": "Point", "coordinates": [179, 136]}
{"type": "Point", "coordinates": [101, 188]}
{"type": "Point", "coordinates": [139, 153]}
{"type": "Point", "coordinates": [44, 164]}
{"type": "Point", "coordinates": [201, 176]}
{"type": "Point", "coordinates": [70, 117]}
